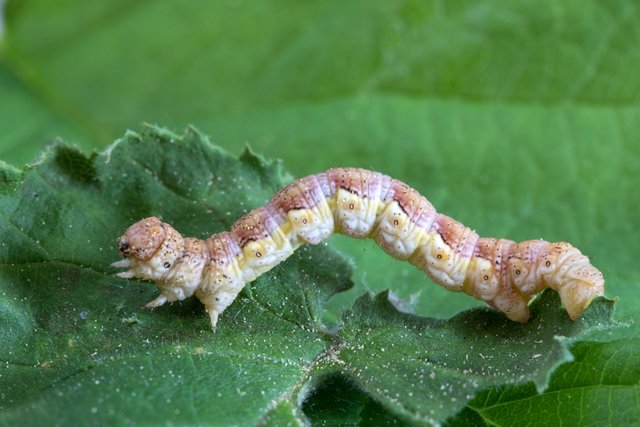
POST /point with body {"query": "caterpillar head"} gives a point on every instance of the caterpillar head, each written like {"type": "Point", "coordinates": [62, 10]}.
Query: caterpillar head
{"type": "Point", "coordinates": [565, 269]}
{"type": "Point", "coordinates": [150, 248]}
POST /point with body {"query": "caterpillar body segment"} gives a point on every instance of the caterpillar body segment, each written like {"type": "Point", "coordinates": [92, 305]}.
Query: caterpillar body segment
{"type": "Point", "coordinates": [361, 204]}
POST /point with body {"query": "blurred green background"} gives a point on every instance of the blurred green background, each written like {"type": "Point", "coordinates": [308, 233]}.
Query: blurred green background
{"type": "Point", "coordinates": [520, 119]}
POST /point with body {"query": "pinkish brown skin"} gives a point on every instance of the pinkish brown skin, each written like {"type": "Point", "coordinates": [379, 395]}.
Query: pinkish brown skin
{"type": "Point", "coordinates": [358, 203]}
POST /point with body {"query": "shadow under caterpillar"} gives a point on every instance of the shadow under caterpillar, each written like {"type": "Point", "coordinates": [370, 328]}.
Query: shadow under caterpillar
{"type": "Point", "coordinates": [358, 203]}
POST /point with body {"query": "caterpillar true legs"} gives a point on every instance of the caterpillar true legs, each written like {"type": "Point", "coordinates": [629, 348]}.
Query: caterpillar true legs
{"type": "Point", "coordinates": [358, 203]}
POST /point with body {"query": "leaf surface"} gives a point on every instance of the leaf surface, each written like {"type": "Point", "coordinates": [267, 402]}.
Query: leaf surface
{"type": "Point", "coordinates": [78, 347]}
{"type": "Point", "coordinates": [521, 120]}
{"type": "Point", "coordinates": [600, 387]}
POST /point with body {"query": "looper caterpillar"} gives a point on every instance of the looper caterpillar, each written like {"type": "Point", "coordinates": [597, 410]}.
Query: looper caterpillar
{"type": "Point", "coordinates": [358, 203]}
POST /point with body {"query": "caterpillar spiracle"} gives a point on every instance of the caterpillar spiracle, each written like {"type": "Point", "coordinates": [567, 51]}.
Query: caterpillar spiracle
{"type": "Point", "coordinates": [358, 203]}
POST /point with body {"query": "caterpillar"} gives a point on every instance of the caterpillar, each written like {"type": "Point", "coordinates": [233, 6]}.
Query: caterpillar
{"type": "Point", "coordinates": [358, 203]}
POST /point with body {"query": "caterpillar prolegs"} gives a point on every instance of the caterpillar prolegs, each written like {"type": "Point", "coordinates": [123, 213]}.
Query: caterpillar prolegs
{"type": "Point", "coordinates": [358, 203]}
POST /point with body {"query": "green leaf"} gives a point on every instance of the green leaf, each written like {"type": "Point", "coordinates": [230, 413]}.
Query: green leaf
{"type": "Point", "coordinates": [402, 360]}
{"type": "Point", "coordinates": [78, 347]}
{"type": "Point", "coordinates": [599, 388]}
{"type": "Point", "coordinates": [520, 119]}
{"type": "Point", "coordinates": [77, 344]}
